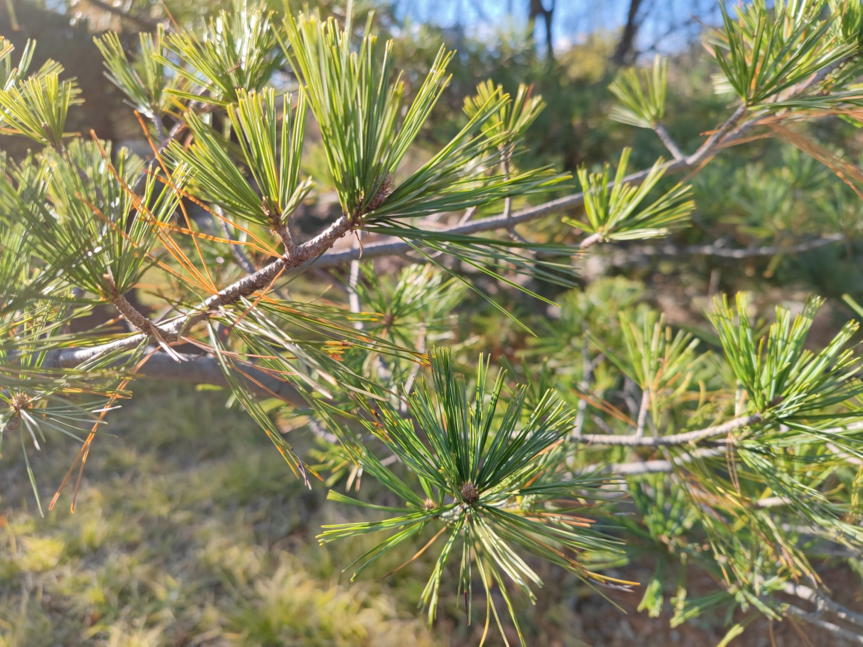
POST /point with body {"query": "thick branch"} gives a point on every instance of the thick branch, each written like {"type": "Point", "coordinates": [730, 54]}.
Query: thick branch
{"type": "Point", "coordinates": [302, 255]}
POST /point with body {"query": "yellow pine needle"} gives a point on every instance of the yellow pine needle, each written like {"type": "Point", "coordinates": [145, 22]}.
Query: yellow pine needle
{"type": "Point", "coordinates": [158, 155]}
{"type": "Point", "coordinates": [418, 553]}
{"type": "Point", "coordinates": [85, 449]}
{"type": "Point", "coordinates": [172, 248]}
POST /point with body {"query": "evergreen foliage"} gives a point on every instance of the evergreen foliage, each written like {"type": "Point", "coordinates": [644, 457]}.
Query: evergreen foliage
{"type": "Point", "coordinates": [733, 451]}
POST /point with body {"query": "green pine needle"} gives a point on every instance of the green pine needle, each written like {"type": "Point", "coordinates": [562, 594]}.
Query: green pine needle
{"type": "Point", "coordinates": [614, 209]}
{"type": "Point", "coordinates": [489, 479]}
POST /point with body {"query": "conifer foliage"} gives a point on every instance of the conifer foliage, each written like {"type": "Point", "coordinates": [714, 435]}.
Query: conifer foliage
{"type": "Point", "coordinates": [743, 455]}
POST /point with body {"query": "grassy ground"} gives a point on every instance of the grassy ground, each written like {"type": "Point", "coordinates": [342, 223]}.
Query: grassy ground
{"type": "Point", "coordinates": [191, 530]}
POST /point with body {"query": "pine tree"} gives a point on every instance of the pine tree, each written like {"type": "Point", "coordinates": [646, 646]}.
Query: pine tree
{"type": "Point", "coordinates": [742, 458]}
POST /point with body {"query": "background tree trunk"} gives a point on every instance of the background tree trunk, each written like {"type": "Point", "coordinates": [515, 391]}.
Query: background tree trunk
{"type": "Point", "coordinates": [536, 9]}
{"type": "Point", "coordinates": [626, 45]}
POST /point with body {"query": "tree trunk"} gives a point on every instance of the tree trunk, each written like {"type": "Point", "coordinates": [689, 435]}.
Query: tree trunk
{"type": "Point", "coordinates": [536, 9]}
{"type": "Point", "coordinates": [626, 46]}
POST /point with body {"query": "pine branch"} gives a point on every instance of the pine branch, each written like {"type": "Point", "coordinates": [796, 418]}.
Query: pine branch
{"type": "Point", "coordinates": [668, 142]}
{"type": "Point", "coordinates": [822, 601]}
{"type": "Point", "coordinates": [303, 254]}
{"type": "Point", "coordinates": [636, 254]}
{"type": "Point", "coordinates": [141, 21]}
{"type": "Point", "coordinates": [815, 619]}
{"type": "Point", "coordinates": [394, 247]}
{"type": "Point", "coordinates": [675, 439]}
{"type": "Point", "coordinates": [660, 466]}
{"type": "Point", "coordinates": [316, 249]}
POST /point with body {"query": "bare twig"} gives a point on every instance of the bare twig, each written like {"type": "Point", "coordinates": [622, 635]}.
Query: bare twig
{"type": "Point", "coordinates": [586, 372]}
{"type": "Point", "coordinates": [642, 413]}
{"type": "Point", "coordinates": [137, 319]}
{"type": "Point", "coordinates": [639, 468]}
{"type": "Point", "coordinates": [353, 282]}
{"type": "Point", "coordinates": [668, 142]}
{"type": "Point", "coordinates": [242, 260]}
{"type": "Point", "coordinates": [507, 201]}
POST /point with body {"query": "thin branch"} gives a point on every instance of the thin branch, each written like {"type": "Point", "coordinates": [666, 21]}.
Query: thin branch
{"type": "Point", "coordinates": [284, 233]}
{"type": "Point", "coordinates": [353, 282]}
{"type": "Point", "coordinates": [659, 466]}
{"type": "Point", "coordinates": [814, 619]}
{"type": "Point", "coordinates": [507, 201]}
{"type": "Point", "coordinates": [138, 20]}
{"type": "Point", "coordinates": [242, 259]}
{"type": "Point", "coordinates": [668, 142]}
{"type": "Point", "coordinates": [139, 321]}
{"type": "Point", "coordinates": [584, 385]}
{"type": "Point", "coordinates": [675, 439]}
{"type": "Point", "coordinates": [204, 369]}
{"type": "Point", "coordinates": [635, 254]}
{"type": "Point", "coordinates": [822, 601]}
{"type": "Point", "coordinates": [706, 150]}
{"type": "Point", "coordinates": [468, 214]}
{"type": "Point", "coordinates": [642, 413]}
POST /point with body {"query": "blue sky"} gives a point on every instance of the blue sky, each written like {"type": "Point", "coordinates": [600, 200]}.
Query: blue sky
{"type": "Point", "coordinates": [573, 18]}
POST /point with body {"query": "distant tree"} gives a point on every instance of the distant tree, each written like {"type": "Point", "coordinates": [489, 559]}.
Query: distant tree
{"type": "Point", "coordinates": [626, 44]}
{"type": "Point", "coordinates": [538, 9]}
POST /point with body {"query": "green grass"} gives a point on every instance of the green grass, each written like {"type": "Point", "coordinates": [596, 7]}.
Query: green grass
{"type": "Point", "coordinates": [189, 530]}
